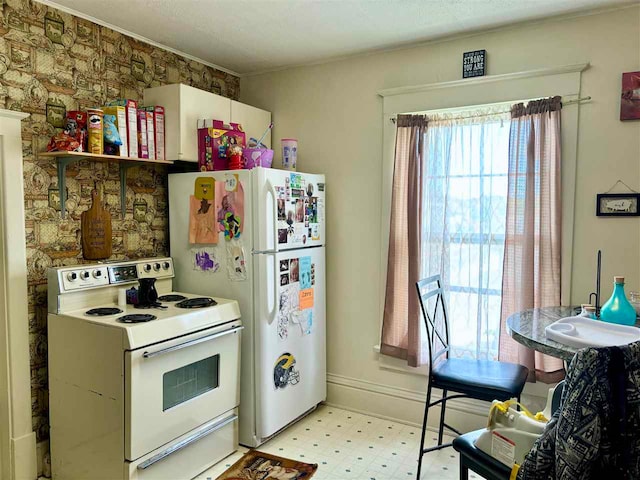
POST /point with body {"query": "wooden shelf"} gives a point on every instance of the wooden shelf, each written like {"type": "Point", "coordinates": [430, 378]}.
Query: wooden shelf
{"type": "Point", "coordinates": [77, 156]}
{"type": "Point", "coordinates": [66, 158]}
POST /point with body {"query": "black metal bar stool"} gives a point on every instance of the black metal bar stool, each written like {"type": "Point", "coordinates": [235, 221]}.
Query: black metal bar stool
{"type": "Point", "coordinates": [480, 379]}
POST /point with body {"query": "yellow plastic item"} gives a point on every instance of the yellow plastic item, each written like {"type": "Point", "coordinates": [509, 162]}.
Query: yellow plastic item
{"type": "Point", "coordinates": [514, 471]}
{"type": "Point", "coordinates": [504, 407]}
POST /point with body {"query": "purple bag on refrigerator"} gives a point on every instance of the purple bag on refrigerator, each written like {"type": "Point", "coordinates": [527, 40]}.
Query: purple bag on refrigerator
{"type": "Point", "coordinates": [257, 157]}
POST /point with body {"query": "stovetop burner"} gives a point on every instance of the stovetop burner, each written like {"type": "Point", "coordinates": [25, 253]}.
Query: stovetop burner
{"type": "Point", "coordinates": [103, 311]}
{"type": "Point", "coordinates": [171, 298]}
{"type": "Point", "coordinates": [198, 302]}
{"type": "Point", "coordinates": [136, 318]}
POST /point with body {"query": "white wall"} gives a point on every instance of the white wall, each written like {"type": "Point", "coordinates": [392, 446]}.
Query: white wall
{"type": "Point", "coordinates": [336, 115]}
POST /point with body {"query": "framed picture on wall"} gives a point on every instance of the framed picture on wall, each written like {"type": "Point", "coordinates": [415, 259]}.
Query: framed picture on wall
{"type": "Point", "coordinates": [617, 205]}
{"type": "Point", "coordinates": [474, 63]}
{"type": "Point", "coordinates": [630, 97]}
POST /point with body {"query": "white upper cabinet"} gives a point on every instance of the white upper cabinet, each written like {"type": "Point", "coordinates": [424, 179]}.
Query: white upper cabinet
{"type": "Point", "coordinates": [185, 105]}
{"type": "Point", "coordinates": [254, 121]}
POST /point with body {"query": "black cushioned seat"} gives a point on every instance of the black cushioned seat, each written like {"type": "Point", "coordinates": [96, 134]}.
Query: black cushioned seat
{"type": "Point", "coordinates": [481, 379]}
{"type": "Point", "coordinates": [475, 459]}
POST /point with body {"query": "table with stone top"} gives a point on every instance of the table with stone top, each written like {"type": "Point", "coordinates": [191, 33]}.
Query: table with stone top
{"type": "Point", "coordinates": [527, 327]}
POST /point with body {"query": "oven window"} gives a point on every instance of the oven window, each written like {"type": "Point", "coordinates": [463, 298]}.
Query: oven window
{"type": "Point", "coordinates": [190, 381]}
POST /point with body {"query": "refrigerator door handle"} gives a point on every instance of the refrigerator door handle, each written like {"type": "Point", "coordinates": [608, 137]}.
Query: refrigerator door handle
{"type": "Point", "coordinates": [271, 314]}
{"type": "Point", "coordinates": [273, 193]}
{"type": "Point", "coordinates": [276, 282]}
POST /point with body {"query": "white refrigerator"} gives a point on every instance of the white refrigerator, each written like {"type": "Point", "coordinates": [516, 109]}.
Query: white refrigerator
{"type": "Point", "coordinates": [269, 255]}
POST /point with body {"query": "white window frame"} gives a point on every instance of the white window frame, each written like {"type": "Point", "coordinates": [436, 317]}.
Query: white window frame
{"type": "Point", "coordinates": [464, 94]}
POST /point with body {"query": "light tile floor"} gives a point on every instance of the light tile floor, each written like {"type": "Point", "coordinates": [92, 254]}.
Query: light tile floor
{"type": "Point", "coordinates": [348, 445]}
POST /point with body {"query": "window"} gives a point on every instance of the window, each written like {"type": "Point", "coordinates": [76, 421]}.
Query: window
{"type": "Point", "coordinates": [190, 381]}
{"type": "Point", "coordinates": [464, 209]}
{"type": "Point", "coordinates": [401, 337]}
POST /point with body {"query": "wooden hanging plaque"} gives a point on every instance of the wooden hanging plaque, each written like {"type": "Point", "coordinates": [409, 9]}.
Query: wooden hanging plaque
{"type": "Point", "coordinates": [95, 225]}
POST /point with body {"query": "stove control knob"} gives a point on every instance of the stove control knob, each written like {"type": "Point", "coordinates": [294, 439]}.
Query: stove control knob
{"type": "Point", "coordinates": [71, 276]}
{"type": "Point", "coordinates": [84, 275]}
{"type": "Point", "coordinates": [147, 268]}
{"type": "Point", "coordinates": [166, 265]}
{"type": "Point", "coordinates": [156, 267]}
{"type": "Point", "coordinates": [97, 273]}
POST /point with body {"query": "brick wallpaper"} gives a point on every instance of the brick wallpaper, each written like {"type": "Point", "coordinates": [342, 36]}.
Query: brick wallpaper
{"type": "Point", "coordinates": [50, 62]}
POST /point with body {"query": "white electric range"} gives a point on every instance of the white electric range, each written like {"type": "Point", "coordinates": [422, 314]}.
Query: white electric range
{"type": "Point", "coordinates": [139, 393]}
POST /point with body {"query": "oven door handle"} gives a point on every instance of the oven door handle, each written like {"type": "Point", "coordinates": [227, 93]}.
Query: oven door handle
{"type": "Point", "coordinates": [187, 441]}
{"type": "Point", "coordinates": [192, 342]}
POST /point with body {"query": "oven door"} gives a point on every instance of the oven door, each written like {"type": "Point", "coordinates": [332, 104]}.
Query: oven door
{"type": "Point", "coordinates": [175, 386]}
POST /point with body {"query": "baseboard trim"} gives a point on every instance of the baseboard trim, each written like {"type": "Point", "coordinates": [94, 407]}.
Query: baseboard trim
{"type": "Point", "coordinates": [400, 404]}
{"type": "Point", "coordinates": [406, 406]}
{"type": "Point", "coordinates": [464, 405]}
{"type": "Point", "coordinates": [374, 414]}
{"type": "Point", "coordinates": [23, 456]}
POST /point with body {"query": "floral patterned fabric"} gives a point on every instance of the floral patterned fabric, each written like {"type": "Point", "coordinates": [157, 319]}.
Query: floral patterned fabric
{"type": "Point", "coordinates": [52, 62]}
{"type": "Point", "coordinates": [596, 432]}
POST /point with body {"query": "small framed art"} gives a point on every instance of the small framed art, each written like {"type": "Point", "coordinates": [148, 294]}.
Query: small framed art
{"type": "Point", "coordinates": [630, 98]}
{"type": "Point", "coordinates": [474, 63]}
{"type": "Point", "coordinates": [617, 205]}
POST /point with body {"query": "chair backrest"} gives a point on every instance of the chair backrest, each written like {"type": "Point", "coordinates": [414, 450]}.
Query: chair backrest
{"type": "Point", "coordinates": [437, 331]}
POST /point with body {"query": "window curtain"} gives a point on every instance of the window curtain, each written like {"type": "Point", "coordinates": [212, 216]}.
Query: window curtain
{"type": "Point", "coordinates": [531, 272]}
{"type": "Point", "coordinates": [448, 217]}
{"type": "Point", "coordinates": [401, 325]}
{"type": "Point", "coordinates": [464, 205]}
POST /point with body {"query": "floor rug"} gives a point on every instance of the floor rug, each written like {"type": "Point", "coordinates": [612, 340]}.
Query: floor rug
{"type": "Point", "coordinates": [255, 465]}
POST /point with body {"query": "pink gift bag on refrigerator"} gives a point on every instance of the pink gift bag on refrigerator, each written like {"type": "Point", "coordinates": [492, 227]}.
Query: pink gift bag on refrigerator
{"type": "Point", "coordinates": [214, 138]}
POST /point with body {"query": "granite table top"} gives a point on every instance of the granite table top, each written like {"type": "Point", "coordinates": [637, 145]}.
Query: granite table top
{"type": "Point", "coordinates": [527, 327]}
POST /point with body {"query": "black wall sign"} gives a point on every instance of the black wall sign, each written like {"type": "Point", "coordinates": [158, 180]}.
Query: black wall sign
{"type": "Point", "coordinates": [474, 63]}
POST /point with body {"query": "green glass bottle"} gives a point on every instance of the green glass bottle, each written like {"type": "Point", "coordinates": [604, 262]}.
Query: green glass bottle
{"type": "Point", "coordinates": [618, 309]}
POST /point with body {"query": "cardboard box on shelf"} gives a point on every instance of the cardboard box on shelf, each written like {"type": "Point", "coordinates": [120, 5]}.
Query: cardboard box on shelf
{"type": "Point", "coordinates": [131, 108]}
{"type": "Point", "coordinates": [120, 113]}
{"type": "Point", "coordinates": [158, 118]}
{"type": "Point", "coordinates": [143, 150]}
{"type": "Point", "coordinates": [151, 137]}
{"type": "Point", "coordinates": [158, 130]}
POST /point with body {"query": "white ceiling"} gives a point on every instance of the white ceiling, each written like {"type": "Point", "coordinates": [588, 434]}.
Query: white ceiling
{"type": "Point", "coordinates": [247, 36]}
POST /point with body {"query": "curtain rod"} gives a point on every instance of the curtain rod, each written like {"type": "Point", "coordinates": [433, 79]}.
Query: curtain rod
{"type": "Point", "coordinates": [577, 100]}
{"type": "Point", "coordinates": [568, 102]}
